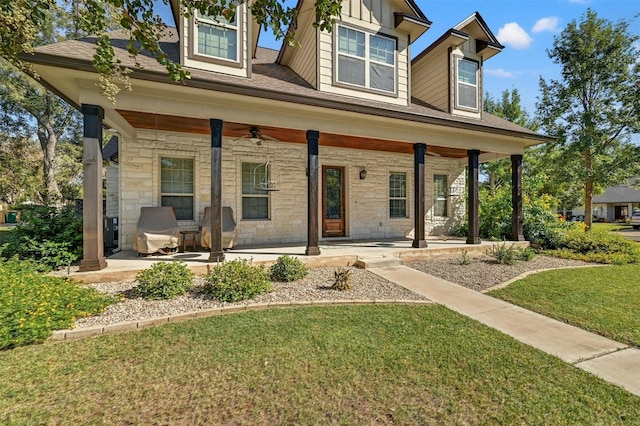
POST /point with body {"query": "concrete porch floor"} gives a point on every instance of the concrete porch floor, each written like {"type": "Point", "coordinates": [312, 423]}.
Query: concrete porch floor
{"type": "Point", "coordinates": [125, 264]}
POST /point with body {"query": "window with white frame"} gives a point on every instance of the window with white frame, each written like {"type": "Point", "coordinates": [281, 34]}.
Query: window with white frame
{"type": "Point", "coordinates": [397, 195]}
{"type": "Point", "coordinates": [216, 37]}
{"type": "Point", "coordinates": [255, 200]}
{"type": "Point", "coordinates": [366, 60]}
{"type": "Point", "coordinates": [441, 191]}
{"type": "Point", "coordinates": [467, 84]}
{"type": "Point", "coordinates": [176, 186]}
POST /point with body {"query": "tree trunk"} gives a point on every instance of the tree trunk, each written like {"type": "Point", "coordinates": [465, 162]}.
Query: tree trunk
{"type": "Point", "coordinates": [492, 183]}
{"type": "Point", "coordinates": [588, 191]}
{"type": "Point", "coordinates": [48, 142]}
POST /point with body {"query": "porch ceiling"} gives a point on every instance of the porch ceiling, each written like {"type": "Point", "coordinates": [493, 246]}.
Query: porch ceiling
{"type": "Point", "coordinates": [173, 123]}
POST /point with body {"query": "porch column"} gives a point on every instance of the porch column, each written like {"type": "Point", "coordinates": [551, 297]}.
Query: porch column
{"type": "Point", "coordinates": [312, 193]}
{"type": "Point", "coordinates": [92, 219]}
{"type": "Point", "coordinates": [216, 254]}
{"type": "Point", "coordinates": [517, 219]}
{"type": "Point", "coordinates": [419, 151]}
{"type": "Point", "coordinates": [474, 222]}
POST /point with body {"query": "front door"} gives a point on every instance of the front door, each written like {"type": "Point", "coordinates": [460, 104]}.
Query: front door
{"type": "Point", "coordinates": [333, 206]}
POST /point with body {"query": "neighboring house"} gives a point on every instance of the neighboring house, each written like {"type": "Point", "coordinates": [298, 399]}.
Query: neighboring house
{"type": "Point", "coordinates": [360, 141]}
{"type": "Point", "coordinates": [616, 202]}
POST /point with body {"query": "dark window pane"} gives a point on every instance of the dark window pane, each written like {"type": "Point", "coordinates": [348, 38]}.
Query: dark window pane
{"type": "Point", "coordinates": [182, 206]}
{"type": "Point", "coordinates": [351, 70]}
{"type": "Point", "coordinates": [398, 208]}
{"type": "Point", "coordinates": [382, 77]}
{"type": "Point", "coordinates": [255, 207]}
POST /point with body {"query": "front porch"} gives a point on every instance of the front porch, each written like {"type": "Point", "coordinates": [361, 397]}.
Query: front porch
{"type": "Point", "coordinates": [126, 264]}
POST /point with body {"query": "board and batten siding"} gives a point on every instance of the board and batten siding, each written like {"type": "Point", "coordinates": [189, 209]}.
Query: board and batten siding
{"type": "Point", "coordinates": [430, 79]}
{"type": "Point", "coordinates": [244, 70]}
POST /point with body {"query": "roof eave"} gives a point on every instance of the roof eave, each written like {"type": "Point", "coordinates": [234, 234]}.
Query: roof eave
{"type": "Point", "coordinates": [153, 76]}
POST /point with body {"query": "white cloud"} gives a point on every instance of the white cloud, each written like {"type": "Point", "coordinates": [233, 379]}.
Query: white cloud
{"type": "Point", "coordinates": [546, 24]}
{"type": "Point", "coordinates": [499, 72]}
{"type": "Point", "coordinates": [513, 35]}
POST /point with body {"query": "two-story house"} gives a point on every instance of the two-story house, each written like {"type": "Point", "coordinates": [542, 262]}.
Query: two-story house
{"type": "Point", "coordinates": [344, 136]}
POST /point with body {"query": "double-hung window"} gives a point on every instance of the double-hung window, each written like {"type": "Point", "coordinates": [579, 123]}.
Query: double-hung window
{"type": "Point", "coordinates": [255, 200]}
{"type": "Point", "coordinates": [467, 84]}
{"type": "Point", "coordinates": [397, 195]}
{"type": "Point", "coordinates": [176, 186]}
{"type": "Point", "coordinates": [440, 191]}
{"type": "Point", "coordinates": [217, 37]}
{"type": "Point", "coordinates": [366, 60]}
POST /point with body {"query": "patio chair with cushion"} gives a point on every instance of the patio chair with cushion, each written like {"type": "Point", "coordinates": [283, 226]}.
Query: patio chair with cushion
{"type": "Point", "coordinates": [157, 231]}
{"type": "Point", "coordinates": [229, 230]}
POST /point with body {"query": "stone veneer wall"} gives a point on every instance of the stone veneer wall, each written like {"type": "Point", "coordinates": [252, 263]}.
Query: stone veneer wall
{"type": "Point", "coordinates": [366, 200]}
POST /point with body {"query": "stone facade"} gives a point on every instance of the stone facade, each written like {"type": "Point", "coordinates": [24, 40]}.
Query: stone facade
{"type": "Point", "coordinates": [366, 200]}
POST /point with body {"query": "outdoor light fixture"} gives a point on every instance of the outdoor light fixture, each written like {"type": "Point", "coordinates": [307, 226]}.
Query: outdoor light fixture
{"type": "Point", "coordinates": [363, 174]}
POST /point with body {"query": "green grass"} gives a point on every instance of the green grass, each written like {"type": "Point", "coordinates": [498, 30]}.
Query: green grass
{"type": "Point", "coordinates": [371, 364]}
{"type": "Point", "coordinates": [604, 300]}
{"type": "Point", "coordinates": [612, 227]}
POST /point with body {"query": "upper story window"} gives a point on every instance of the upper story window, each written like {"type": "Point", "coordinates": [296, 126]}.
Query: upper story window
{"type": "Point", "coordinates": [217, 37]}
{"type": "Point", "coordinates": [467, 84]}
{"type": "Point", "coordinates": [366, 60]}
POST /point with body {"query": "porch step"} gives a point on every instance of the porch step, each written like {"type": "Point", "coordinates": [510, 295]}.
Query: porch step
{"type": "Point", "coordinates": [377, 262]}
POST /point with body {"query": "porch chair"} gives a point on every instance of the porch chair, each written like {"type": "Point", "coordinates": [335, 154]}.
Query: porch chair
{"type": "Point", "coordinates": [229, 229]}
{"type": "Point", "coordinates": [157, 230]}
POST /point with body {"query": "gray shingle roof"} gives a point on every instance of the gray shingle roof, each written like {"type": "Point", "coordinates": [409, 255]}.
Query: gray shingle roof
{"type": "Point", "coordinates": [627, 192]}
{"type": "Point", "coordinates": [267, 76]}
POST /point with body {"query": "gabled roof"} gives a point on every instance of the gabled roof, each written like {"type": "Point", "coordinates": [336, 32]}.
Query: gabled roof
{"type": "Point", "coordinates": [627, 192]}
{"type": "Point", "coordinates": [269, 80]}
{"type": "Point", "coordinates": [487, 45]}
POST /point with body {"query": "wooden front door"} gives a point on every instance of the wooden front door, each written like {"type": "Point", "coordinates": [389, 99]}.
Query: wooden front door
{"type": "Point", "coordinates": [333, 205]}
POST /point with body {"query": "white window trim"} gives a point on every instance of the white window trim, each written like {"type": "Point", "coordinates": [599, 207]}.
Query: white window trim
{"type": "Point", "coordinates": [367, 61]}
{"type": "Point", "coordinates": [405, 198]}
{"type": "Point", "coordinates": [211, 22]}
{"type": "Point", "coordinates": [243, 195]}
{"type": "Point", "coordinates": [476, 86]}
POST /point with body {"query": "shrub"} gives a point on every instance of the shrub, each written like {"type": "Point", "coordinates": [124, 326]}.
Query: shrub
{"type": "Point", "coordinates": [597, 246]}
{"type": "Point", "coordinates": [465, 259]}
{"type": "Point", "coordinates": [342, 279]}
{"type": "Point", "coordinates": [287, 269]}
{"type": "Point", "coordinates": [50, 236]}
{"type": "Point", "coordinates": [164, 280]}
{"type": "Point", "coordinates": [505, 255]}
{"type": "Point", "coordinates": [33, 304]}
{"type": "Point", "coordinates": [237, 280]}
{"type": "Point", "coordinates": [526, 253]}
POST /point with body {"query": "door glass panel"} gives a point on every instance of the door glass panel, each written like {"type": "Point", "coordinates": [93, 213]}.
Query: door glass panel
{"type": "Point", "coordinates": [333, 193]}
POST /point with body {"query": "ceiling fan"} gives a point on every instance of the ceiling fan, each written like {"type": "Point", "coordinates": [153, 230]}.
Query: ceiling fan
{"type": "Point", "coordinates": [256, 136]}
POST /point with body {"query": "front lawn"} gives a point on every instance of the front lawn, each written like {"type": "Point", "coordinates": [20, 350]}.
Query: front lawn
{"type": "Point", "coordinates": [605, 300]}
{"type": "Point", "coordinates": [612, 227]}
{"type": "Point", "coordinates": [373, 364]}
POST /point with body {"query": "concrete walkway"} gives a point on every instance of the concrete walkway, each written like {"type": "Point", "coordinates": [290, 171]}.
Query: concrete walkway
{"type": "Point", "coordinates": [612, 361]}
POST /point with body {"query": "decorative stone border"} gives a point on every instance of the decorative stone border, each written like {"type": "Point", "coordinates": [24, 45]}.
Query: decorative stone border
{"type": "Point", "coordinates": [537, 271]}
{"type": "Point", "coordinates": [81, 333]}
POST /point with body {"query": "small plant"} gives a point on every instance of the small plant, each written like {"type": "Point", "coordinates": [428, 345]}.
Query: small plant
{"type": "Point", "coordinates": [342, 281]}
{"type": "Point", "coordinates": [287, 269]}
{"type": "Point", "coordinates": [237, 280]}
{"type": "Point", "coordinates": [164, 280]}
{"type": "Point", "coordinates": [526, 254]}
{"type": "Point", "coordinates": [503, 254]}
{"type": "Point", "coordinates": [465, 259]}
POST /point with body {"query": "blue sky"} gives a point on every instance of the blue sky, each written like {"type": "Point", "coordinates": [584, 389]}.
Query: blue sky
{"type": "Point", "coordinates": [525, 27]}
